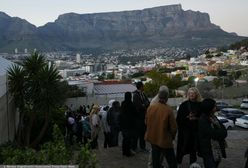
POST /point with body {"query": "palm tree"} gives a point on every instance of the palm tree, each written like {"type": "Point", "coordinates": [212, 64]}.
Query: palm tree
{"type": "Point", "coordinates": [40, 96]}
{"type": "Point", "coordinates": [16, 77]}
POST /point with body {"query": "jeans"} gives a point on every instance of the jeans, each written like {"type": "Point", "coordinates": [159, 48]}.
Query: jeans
{"type": "Point", "coordinates": [168, 153]}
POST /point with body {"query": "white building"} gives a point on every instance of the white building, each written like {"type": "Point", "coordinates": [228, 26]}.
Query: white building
{"type": "Point", "coordinates": [8, 116]}
{"type": "Point", "coordinates": [78, 58]}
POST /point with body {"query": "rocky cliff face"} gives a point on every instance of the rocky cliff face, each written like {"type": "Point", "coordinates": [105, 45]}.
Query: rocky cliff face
{"type": "Point", "coordinates": [154, 27]}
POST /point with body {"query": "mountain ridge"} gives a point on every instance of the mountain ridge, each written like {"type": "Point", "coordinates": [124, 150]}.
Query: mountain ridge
{"type": "Point", "coordinates": [163, 26]}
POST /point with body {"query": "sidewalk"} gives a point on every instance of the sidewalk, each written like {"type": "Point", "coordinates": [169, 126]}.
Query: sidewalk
{"type": "Point", "coordinates": [112, 157]}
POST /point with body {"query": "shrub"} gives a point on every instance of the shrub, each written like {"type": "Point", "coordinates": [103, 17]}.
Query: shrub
{"type": "Point", "coordinates": [51, 153]}
{"type": "Point", "coordinates": [86, 158]}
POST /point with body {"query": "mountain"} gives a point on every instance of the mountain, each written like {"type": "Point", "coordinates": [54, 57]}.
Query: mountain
{"type": "Point", "coordinates": [165, 26]}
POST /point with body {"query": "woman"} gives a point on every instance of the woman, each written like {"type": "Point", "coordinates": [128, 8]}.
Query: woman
{"type": "Point", "coordinates": [95, 125]}
{"type": "Point", "coordinates": [187, 121]}
{"type": "Point", "coordinates": [113, 119]}
{"type": "Point", "coordinates": [212, 135]}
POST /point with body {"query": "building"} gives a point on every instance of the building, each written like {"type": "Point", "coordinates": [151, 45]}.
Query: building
{"type": "Point", "coordinates": [78, 58]}
{"type": "Point", "coordinates": [8, 115]}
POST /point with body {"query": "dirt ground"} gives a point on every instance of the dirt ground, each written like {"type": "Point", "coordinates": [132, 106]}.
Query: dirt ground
{"type": "Point", "coordinates": [112, 157]}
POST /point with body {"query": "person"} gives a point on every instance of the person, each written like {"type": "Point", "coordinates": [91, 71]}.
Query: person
{"type": "Point", "coordinates": [212, 134]}
{"type": "Point", "coordinates": [113, 119]}
{"type": "Point", "coordinates": [187, 121]}
{"type": "Point", "coordinates": [156, 98]}
{"type": "Point", "coordinates": [153, 101]}
{"type": "Point", "coordinates": [141, 102]}
{"type": "Point", "coordinates": [86, 129]}
{"type": "Point", "coordinates": [128, 119]}
{"type": "Point", "coordinates": [95, 125]}
{"type": "Point", "coordinates": [161, 131]}
{"type": "Point", "coordinates": [105, 127]}
{"type": "Point", "coordinates": [70, 127]}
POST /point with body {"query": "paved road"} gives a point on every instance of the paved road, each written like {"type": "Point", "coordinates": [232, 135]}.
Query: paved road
{"type": "Point", "coordinates": [112, 157]}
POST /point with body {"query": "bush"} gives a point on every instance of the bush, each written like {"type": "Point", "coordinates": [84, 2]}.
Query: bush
{"type": "Point", "coordinates": [51, 153]}
{"type": "Point", "coordinates": [86, 158]}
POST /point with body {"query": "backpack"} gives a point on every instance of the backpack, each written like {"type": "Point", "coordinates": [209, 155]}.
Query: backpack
{"type": "Point", "coordinates": [86, 128]}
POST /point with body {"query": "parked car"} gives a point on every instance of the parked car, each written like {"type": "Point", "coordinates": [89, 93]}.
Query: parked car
{"type": "Point", "coordinates": [226, 122]}
{"type": "Point", "coordinates": [220, 105]}
{"type": "Point", "coordinates": [244, 104]}
{"type": "Point", "coordinates": [231, 113]}
{"type": "Point", "coordinates": [242, 121]}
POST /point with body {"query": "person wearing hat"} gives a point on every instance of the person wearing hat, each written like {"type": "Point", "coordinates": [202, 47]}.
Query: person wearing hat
{"type": "Point", "coordinates": [141, 102]}
{"type": "Point", "coordinates": [153, 101]}
{"type": "Point", "coordinates": [161, 131]}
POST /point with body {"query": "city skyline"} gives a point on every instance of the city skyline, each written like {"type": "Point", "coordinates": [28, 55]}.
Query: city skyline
{"type": "Point", "coordinates": [228, 14]}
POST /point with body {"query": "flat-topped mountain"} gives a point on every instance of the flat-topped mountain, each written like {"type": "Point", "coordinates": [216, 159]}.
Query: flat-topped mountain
{"type": "Point", "coordinates": [165, 26]}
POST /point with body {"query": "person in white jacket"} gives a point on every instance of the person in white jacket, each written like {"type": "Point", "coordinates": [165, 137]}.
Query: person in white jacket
{"type": "Point", "coordinates": [104, 125]}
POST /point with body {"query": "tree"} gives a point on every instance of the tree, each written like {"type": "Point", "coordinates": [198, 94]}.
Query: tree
{"type": "Point", "coordinates": [37, 91]}
{"type": "Point", "coordinates": [217, 82]}
{"type": "Point", "coordinates": [110, 76]}
{"type": "Point", "coordinates": [159, 79]}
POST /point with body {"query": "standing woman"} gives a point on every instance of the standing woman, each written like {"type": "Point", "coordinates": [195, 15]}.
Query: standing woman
{"type": "Point", "coordinates": [113, 119]}
{"type": "Point", "coordinates": [212, 135]}
{"type": "Point", "coordinates": [187, 121]}
{"type": "Point", "coordinates": [95, 125]}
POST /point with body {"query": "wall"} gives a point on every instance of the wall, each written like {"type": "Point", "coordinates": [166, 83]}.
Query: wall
{"type": "Point", "coordinates": [8, 119]}
{"type": "Point", "coordinates": [103, 100]}
{"type": "Point", "coordinates": [2, 85]}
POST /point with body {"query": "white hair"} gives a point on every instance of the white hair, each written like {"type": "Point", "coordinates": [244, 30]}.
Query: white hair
{"type": "Point", "coordinates": [161, 89]}
{"type": "Point", "coordinates": [195, 165]}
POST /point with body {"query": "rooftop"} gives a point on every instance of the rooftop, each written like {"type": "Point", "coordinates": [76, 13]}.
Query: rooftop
{"type": "Point", "coordinates": [113, 88]}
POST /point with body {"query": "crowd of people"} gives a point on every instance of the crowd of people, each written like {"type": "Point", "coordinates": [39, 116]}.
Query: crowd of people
{"type": "Point", "coordinates": [194, 126]}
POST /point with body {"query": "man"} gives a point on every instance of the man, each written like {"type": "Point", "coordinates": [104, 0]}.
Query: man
{"type": "Point", "coordinates": [161, 131]}
{"type": "Point", "coordinates": [141, 103]}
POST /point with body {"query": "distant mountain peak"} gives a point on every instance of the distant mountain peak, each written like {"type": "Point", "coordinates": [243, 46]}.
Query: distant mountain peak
{"type": "Point", "coordinates": [163, 26]}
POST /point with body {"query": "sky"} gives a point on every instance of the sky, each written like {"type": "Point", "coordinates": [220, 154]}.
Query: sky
{"type": "Point", "coordinates": [230, 15]}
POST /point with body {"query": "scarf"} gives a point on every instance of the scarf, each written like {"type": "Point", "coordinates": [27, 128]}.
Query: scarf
{"type": "Point", "coordinates": [215, 144]}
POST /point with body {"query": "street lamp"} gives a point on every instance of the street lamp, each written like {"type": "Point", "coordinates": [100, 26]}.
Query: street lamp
{"type": "Point", "coordinates": [196, 81]}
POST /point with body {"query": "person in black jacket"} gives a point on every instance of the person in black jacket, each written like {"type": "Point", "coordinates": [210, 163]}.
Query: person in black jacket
{"type": "Point", "coordinates": [212, 135]}
{"type": "Point", "coordinates": [187, 121]}
{"type": "Point", "coordinates": [113, 119]}
{"type": "Point", "coordinates": [128, 121]}
{"type": "Point", "coordinates": [141, 102]}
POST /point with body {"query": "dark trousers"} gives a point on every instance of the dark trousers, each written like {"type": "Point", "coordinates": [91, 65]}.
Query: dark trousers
{"type": "Point", "coordinates": [192, 157]}
{"type": "Point", "coordinates": [114, 135]}
{"type": "Point", "coordinates": [106, 139]}
{"type": "Point", "coordinates": [140, 136]}
{"type": "Point", "coordinates": [126, 142]}
{"type": "Point", "coordinates": [208, 161]}
{"type": "Point", "coordinates": [94, 143]}
{"type": "Point", "coordinates": [168, 153]}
